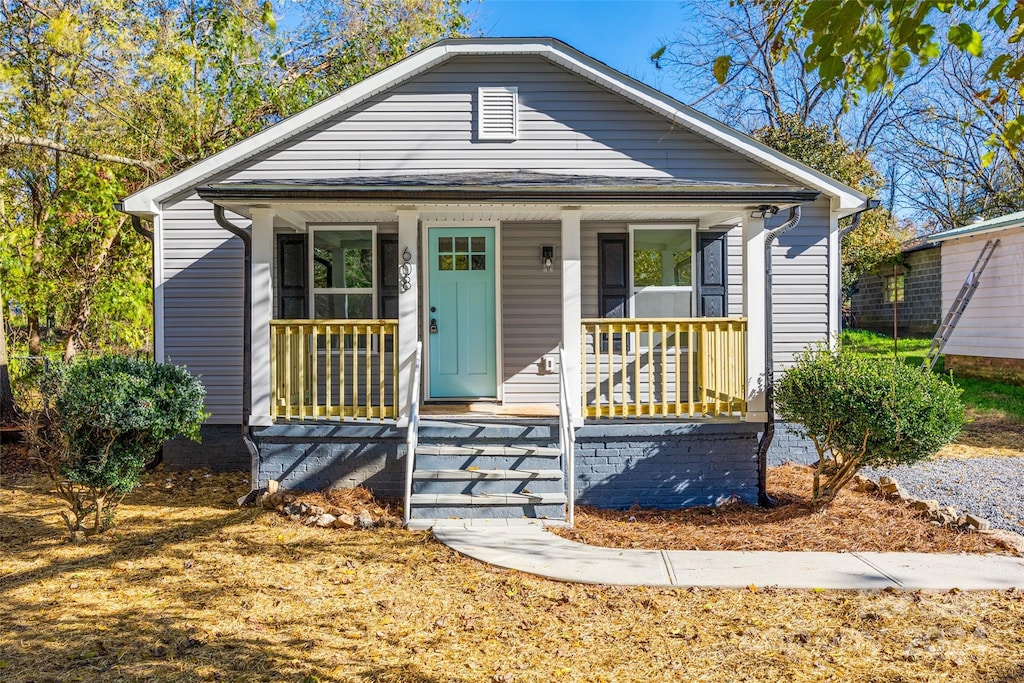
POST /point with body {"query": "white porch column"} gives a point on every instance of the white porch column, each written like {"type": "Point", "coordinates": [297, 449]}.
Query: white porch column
{"type": "Point", "coordinates": [753, 310]}
{"type": "Point", "coordinates": [262, 312]}
{"type": "Point", "coordinates": [572, 308]}
{"type": "Point", "coordinates": [408, 305]}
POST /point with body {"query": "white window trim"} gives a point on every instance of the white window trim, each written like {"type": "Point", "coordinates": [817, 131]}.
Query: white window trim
{"type": "Point", "coordinates": [692, 288]}
{"type": "Point", "coordinates": [480, 133]}
{"type": "Point", "coordinates": [314, 290]}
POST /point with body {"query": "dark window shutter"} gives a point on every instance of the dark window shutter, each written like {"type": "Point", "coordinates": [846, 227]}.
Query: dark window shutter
{"type": "Point", "coordinates": [387, 276]}
{"type": "Point", "coordinates": [292, 277]}
{"type": "Point", "coordinates": [612, 275]}
{"type": "Point", "coordinates": [712, 275]}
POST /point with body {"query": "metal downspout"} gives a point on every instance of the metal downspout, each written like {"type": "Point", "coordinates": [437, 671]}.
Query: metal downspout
{"type": "Point", "coordinates": [222, 221]}
{"type": "Point", "coordinates": [250, 445]}
{"type": "Point", "coordinates": [763, 499]}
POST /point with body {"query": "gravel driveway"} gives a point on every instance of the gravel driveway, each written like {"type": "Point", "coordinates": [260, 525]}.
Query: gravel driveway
{"type": "Point", "coordinates": [992, 488]}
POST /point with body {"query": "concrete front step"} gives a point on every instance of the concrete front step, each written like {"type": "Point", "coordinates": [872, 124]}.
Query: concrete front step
{"type": "Point", "coordinates": [464, 499]}
{"type": "Point", "coordinates": [502, 450]}
{"type": "Point", "coordinates": [478, 474]}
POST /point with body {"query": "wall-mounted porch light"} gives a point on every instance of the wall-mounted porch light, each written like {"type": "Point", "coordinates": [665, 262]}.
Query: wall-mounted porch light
{"type": "Point", "coordinates": [547, 257]}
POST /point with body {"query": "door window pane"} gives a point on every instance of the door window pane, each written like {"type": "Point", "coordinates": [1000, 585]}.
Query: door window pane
{"type": "Point", "coordinates": [342, 259]}
{"type": "Point", "coordinates": [479, 262]}
{"type": "Point", "coordinates": [662, 258]}
{"type": "Point", "coordinates": [461, 262]}
{"type": "Point", "coordinates": [445, 262]}
{"type": "Point", "coordinates": [444, 244]}
{"type": "Point", "coordinates": [462, 244]}
{"type": "Point", "coordinates": [479, 245]}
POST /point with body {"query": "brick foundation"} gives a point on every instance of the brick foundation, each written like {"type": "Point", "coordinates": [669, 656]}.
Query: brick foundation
{"type": "Point", "coordinates": [1005, 370]}
{"type": "Point", "coordinates": [659, 465]}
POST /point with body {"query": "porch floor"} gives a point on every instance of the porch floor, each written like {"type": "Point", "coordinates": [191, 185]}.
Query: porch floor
{"type": "Point", "coordinates": [487, 408]}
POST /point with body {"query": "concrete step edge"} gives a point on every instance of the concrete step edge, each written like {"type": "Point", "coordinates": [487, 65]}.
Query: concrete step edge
{"type": "Point", "coordinates": [485, 474]}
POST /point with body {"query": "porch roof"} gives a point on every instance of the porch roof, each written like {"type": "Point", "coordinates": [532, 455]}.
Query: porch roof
{"type": "Point", "coordinates": [503, 186]}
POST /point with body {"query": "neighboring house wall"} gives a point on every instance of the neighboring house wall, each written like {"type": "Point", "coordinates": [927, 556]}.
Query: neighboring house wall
{"type": "Point", "coordinates": [919, 313]}
{"type": "Point", "coordinates": [989, 339]}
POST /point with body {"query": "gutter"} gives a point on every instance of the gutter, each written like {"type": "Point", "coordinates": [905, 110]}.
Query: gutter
{"type": "Point", "coordinates": [763, 499]}
{"type": "Point", "coordinates": [222, 221]}
{"type": "Point", "coordinates": [855, 223]}
{"type": "Point", "coordinates": [250, 445]}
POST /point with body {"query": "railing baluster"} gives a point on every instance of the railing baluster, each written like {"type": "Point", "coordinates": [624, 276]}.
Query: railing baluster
{"type": "Point", "coordinates": [584, 359]}
{"type": "Point", "coordinates": [368, 352]}
{"type": "Point", "coordinates": [343, 406]}
{"type": "Point", "coordinates": [691, 376]}
{"type": "Point", "coordinates": [664, 370]}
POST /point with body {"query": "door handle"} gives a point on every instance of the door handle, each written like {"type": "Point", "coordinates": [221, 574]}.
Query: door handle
{"type": "Point", "coordinates": [433, 326]}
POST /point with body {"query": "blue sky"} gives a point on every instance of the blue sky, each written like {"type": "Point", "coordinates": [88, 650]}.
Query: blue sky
{"type": "Point", "coordinates": [620, 33]}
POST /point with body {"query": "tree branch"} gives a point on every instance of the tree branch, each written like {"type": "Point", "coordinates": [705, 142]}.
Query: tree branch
{"type": "Point", "coordinates": [33, 141]}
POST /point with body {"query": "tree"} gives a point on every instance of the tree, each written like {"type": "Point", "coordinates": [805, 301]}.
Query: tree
{"type": "Point", "coordinates": [866, 46]}
{"type": "Point", "coordinates": [7, 410]}
{"type": "Point", "coordinates": [100, 97]}
{"type": "Point", "coordinates": [861, 411]}
{"type": "Point", "coordinates": [879, 236]}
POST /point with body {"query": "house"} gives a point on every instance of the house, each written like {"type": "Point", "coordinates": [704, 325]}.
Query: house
{"type": "Point", "coordinates": [913, 285]}
{"type": "Point", "coordinates": [988, 340]}
{"type": "Point", "coordinates": [576, 262]}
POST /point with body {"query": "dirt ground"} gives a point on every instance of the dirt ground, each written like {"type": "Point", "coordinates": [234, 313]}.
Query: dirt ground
{"type": "Point", "coordinates": [855, 522]}
{"type": "Point", "coordinates": [987, 435]}
{"type": "Point", "coordinates": [188, 587]}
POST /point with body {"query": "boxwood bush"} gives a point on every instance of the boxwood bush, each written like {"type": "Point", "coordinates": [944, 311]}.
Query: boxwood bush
{"type": "Point", "coordinates": [865, 411]}
{"type": "Point", "coordinates": [109, 417]}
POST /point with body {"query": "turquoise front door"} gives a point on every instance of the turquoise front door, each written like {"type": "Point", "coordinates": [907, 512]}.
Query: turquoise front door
{"type": "Point", "coordinates": [460, 312]}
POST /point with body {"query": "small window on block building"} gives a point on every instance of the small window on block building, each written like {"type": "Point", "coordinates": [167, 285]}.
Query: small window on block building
{"type": "Point", "coordinates": [893, 288]}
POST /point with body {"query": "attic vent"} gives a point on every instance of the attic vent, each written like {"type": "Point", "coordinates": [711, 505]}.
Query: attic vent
{"type": "Point", "coordinates": [498, 113]}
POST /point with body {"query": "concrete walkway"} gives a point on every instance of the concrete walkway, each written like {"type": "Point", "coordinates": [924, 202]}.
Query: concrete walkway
{"type": "Point", "coordinates": [530, 548]}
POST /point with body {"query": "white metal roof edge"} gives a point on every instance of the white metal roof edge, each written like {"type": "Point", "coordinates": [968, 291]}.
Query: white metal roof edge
{"type": "Point", "coordinates": [146, 200]}
{"type": "Point", "coordinates": [1005, 222]}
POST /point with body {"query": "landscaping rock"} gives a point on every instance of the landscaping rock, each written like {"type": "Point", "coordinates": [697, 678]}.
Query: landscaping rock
{"type": "Point", "coordinates": [1008, 539]}
{"type": "Point", "coordinates": [366, 520]}
{"type": "Point", "coordinates": [326, 520]}
{"type": "Point", "coordinates": [979, 523]}
{"type": "Point", "coordinates": [344, 521]}
{"type": "Point", "coordinates": [929, 506]}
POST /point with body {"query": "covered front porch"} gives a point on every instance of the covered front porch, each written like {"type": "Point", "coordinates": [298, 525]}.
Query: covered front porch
{"type": "Point", "coordinates": [607, 300]}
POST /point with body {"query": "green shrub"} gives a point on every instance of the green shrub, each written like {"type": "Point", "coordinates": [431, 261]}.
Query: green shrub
{"type": "Point", "coordinates": [865, 411]}
{"type": "Point", "coordinates": [109, 417]}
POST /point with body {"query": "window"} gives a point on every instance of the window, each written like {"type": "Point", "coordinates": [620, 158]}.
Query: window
{"type": "Point", "coordinates": [893, 288]}
{"type": "Point", "coordinates": [497, 113]}
{"type": "Point", "coordinates": [343, 272]}
{"type": "Point", "coordinates": [661, 271]}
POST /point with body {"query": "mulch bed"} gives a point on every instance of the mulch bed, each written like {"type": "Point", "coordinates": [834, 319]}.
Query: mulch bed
{"type": "Point", "coordinates": [855, 522]}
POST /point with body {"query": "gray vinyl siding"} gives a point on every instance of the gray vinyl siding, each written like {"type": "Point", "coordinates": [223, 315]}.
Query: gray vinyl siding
{"type": "Point", "coordinates": [566, 125]}
{"type": "Point", "coordinates": [427, 124]}
{"type": "Point", "coordinates": [993, 323]}
{"type": "Point", "coordinates": [531, 312]}
{"type": "Point", "coordinates": [800, 293]}
{"type": "Point", "coordinates": [203, 302]}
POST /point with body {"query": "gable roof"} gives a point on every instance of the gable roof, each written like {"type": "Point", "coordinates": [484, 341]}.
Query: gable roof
{"type": "Point", "coordinates": [847, 199]}
{"type": "Point", "coordinates": [1005, 222]}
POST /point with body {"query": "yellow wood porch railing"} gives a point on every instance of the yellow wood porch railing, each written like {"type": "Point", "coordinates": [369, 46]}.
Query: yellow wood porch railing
{"type": "Point", "coordinates": [661, 367]}
{"type": "Point", "coordinates": [333, 369]}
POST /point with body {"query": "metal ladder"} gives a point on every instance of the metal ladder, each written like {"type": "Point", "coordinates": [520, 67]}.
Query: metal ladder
{"type": "Point", "coordinates": [945, 330]}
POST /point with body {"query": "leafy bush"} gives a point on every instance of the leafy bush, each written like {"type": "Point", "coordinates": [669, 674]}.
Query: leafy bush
{"type": "Point", "coordinates": [109, 417]}
{"type": "Point", "coordinates": [865, 411]}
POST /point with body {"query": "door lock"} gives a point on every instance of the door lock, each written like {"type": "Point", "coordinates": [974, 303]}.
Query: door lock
{"type": "Point", "coordinates": [433, 326]}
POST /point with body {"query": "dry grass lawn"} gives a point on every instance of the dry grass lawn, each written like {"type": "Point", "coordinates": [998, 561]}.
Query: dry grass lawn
{"type": "Point", "coordinates": [190, 588]}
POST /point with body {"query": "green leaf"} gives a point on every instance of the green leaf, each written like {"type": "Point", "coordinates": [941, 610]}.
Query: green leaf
{"type": "Point", "coordinates": [965, 38]}
{"type": "Point", "coordinates": [721, 68]}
